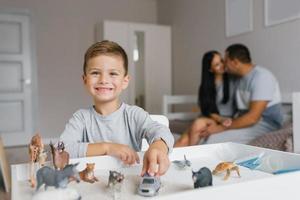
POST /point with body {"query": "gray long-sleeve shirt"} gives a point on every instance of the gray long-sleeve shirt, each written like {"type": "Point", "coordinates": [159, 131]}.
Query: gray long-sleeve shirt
{"type": "Point", "coordinates": [128, 125]}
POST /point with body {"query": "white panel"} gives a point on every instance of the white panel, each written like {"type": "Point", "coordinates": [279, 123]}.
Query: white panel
{"type": "Point", "coordinates": [12, 121]}
{"type": "Point", "coordinates": [10, 39]}
{"type": "Point", "coordinates": [278, 11]}
{"type": "Point", "coordinates": [10, 77]}
{"type": "Point", "coordinates": [238, 17]}
{"type": "Point", "coordinates": [296, 120]}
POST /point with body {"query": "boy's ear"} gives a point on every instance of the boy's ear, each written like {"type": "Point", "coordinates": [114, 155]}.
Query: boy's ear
{"type": "Point", "coordinates": [84, 79]}
{"type": "Point", "coordinates": [126, 81]}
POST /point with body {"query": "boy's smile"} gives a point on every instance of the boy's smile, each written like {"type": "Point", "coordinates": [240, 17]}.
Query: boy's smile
{"type": "Point", "coordinates": [105, 78]}
{"type": "Point", "coordinates": [103, 89]}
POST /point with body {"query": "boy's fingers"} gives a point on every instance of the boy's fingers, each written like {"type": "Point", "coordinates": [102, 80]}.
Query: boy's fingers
{"type": "Point", "coordinates": [137, 158]}
{"type": "Point", "coordinates": [164, 164]}
{"type": "Point", "coordinates": [128, 159]}
{"type": "Point", "coordinates": [145, 167]}
{"type": "Point", "coordinates": [133, 158]}
{"type": "Point", "coordinates": [152, 159]}
{"type": "Point", "coordinates": [123, 157]}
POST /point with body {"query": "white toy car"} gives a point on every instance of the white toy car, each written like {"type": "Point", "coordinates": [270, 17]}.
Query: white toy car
{"type": "Point", "coordinates": [149, 185]}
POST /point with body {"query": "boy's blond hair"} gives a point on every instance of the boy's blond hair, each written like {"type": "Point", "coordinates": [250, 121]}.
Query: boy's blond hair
{"type": "Point", "coordinates": [105, 47]}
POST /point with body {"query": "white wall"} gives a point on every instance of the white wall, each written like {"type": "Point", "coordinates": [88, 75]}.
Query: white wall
{"type": "Point", "coordinates": [198, 26]}
{"type": "Point", "coordinates": [64, 29]}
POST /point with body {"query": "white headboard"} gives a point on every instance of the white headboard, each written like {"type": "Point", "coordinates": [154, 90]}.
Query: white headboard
{"type": "Point", "coordinates": [169, 100]}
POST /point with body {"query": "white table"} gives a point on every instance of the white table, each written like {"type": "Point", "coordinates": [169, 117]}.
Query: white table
{"type": "Point", "coordinates": [177, 184]}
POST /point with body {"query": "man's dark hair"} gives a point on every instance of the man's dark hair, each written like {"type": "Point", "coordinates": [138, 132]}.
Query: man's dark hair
{"type": "Point", "coordinates": [240, 52]}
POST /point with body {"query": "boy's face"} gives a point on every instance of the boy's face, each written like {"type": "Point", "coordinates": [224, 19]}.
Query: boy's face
{"type": "Point", "coordinates": [105, 78]}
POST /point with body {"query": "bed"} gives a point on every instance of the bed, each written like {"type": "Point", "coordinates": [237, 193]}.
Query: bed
{"type": "Point", "coordinates": [181, 110]}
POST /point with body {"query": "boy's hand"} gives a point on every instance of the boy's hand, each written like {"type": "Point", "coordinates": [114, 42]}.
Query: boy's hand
{"type": "Point", "coordinates": [123, 152]}
{"type": "Point", "coordinates": [156, 161]}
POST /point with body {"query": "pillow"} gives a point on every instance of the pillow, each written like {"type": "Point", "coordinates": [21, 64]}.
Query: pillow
{"type": "Point", "coordinates": [277, 140]}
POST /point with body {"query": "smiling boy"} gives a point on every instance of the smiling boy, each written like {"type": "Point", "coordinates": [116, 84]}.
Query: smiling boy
{"type": "Point", "coordinates": [111, 127]}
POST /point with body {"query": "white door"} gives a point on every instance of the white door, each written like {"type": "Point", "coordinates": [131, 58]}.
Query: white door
{"type": "Point", "coordinates": [149, 84]}
{"type": "Point", "coordinates": [15, 79]}
{"type": "Point", "coordinates": [157, 67]}
{"type": "Point", "coordinates": [119, 32]}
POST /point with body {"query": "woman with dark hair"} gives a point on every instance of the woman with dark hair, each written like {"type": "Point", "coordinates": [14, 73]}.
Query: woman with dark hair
{"type": "Point", "coordinates": [215, 99]}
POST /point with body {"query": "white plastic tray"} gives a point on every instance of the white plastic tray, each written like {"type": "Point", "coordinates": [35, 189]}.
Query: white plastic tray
{"type": "Point", "coordinates": [177, 184]}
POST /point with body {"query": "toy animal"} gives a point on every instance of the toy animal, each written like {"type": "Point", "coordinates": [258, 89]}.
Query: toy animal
{"type": "Point", "coordinates": [60, 146]}
{"type": "Point", "coordinates": [37, 154]}
{"type": "Point", "coordinates": [226, 166]}
{"type": "Point", "coordinates": [202, 178]}
{"type": "Point", "coordinates": [87, 174]}
{"type": "Point", "coordinates": [59, 155]}
{"type": "Point", "coordinates": [56, 178]}
{"type": "Point", "coordinates": [182, 163]}
{"type": "Point", "coordinates": [114, 178]}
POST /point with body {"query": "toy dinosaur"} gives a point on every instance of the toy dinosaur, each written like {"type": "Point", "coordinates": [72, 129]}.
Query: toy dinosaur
{"type": "Point", "coordinates": [87, 174]}
{"type": "Point", "coordinates": [37, 154]}
{"type": "Point", "coordinates": [56, 178]}
{"type": "Point", "coordinates": [202, 178]}
{"type": "Point", "coordinates": [59, 155]}
{"type": "Point", "coordinates": [226, 166]}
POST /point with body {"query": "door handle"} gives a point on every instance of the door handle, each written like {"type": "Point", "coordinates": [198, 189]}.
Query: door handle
{"type": "Point", "coordinates": [26, 81]}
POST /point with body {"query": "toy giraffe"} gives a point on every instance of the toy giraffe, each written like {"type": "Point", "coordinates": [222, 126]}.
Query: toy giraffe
{"type": "Point", "coordinates": [37, 154]}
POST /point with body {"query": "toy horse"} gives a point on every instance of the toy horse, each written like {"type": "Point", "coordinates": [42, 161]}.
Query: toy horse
{"type": "Point", "coordinates": [56, 178]}
{"type": "Point", "coordinates": [37, 154]}
{"type": "Point", "coordinates": [59, 155]}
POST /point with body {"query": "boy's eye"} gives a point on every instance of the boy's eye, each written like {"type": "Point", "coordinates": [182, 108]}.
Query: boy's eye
{"type": "Point", "coordinates": [94, 73]}
{"type": "Point", "coordinates": [114, 74]}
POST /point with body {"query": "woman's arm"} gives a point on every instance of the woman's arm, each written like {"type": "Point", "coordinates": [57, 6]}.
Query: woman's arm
{"type": "Point", "coordinates": [216, 117]}
{"type": "Point", "coordinates": [224, 121]}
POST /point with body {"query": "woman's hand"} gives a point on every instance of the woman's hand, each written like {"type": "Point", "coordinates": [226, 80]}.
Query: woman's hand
{"type": "Point", "coordinates": [227, 122]}
{"type": "Point", "coordinates": [215, 129]}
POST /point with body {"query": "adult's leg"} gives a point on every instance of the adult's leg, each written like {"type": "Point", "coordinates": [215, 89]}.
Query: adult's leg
{"type": "Point", "coordinates": [198, 129]}
{"type": "Point", "coordinates": [193, 134]}
{"type": "Point", "coordinates": [183, 140]}
{"type": "Point", "coordinates": [243, 135]}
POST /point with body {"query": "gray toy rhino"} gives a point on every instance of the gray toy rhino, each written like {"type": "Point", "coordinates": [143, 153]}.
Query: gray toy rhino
{"type": "Point", "coordinates": [202, 178]}
{"type": "Point", "coordinates": [56, 178]}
